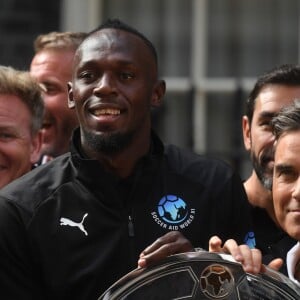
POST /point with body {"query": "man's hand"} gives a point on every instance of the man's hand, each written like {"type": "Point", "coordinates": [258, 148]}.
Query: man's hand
{"type": "Point", "coordinates": [171, 243]}
{"type": "Point", "coordinates": [251, 259]}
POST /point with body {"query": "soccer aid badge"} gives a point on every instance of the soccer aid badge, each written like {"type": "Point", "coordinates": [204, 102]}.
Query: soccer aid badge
{"type": "Point", "coordinates": [173, 213]}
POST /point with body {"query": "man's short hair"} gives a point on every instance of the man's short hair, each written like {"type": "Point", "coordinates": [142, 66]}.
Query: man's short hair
{"type": "Point", "coordinates": [287, 74]}
{"type": "Point", "coordinates": [22, 85]}
{"type": "Point", "coordinates": [59, 40]}
{"type": "Point", "coordinates": [118, 24]}
{"type": "Point", "coordinates": [287, 120]}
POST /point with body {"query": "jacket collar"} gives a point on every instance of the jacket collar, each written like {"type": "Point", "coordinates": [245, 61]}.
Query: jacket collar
{"type": "Point", "coordinates": [91, 168]}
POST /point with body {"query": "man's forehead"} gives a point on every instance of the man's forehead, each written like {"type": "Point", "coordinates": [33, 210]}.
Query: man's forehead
{"type": "Point", "coordinates": [110, 42]}
{"type": "Point", "coordinates": [110, 38]}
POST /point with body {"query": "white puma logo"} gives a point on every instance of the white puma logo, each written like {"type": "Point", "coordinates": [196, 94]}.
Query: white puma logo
{"type": "Point", "coordinates": [65, 221]}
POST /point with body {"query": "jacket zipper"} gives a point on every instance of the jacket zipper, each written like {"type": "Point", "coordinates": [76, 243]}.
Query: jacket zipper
{"type": "Point", "coordinates": [130, 227]}
{"type": "Point", "coordinates": [131, 244]}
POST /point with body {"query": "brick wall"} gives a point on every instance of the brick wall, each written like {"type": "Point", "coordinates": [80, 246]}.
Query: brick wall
{"type": "Point", "coordinates": [20, 22]}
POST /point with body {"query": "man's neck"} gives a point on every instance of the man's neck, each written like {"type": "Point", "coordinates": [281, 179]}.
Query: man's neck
{"type": "Point", "coordinates": [123, 163]}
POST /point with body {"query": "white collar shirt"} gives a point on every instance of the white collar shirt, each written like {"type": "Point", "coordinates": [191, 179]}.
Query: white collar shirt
{"type": "Point", "coordinates": [292, 258]}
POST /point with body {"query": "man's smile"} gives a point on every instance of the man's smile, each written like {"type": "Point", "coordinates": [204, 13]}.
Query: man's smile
{"type": "Point", "coordinates": [106, 111]}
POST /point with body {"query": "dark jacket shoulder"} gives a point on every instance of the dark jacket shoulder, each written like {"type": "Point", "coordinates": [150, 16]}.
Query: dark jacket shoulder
{"type": "Point", "coordinates": [195, 166]}
{"type": "Point", "coordinates": [39, 183]}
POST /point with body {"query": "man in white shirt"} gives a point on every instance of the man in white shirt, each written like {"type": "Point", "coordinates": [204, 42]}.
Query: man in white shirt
{"type": "Point", "coordinates": [286, 179]}
{"type": "Point", "coordinates": [285, 193]}
{"type": "Point", "coordinates": [293, 263]}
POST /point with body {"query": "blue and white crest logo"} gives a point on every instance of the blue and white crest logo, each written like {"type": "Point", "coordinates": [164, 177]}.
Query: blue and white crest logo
{"type": "Point", "coordinates": [250, 239]}
{"type": "Point", "coordinates": [173, 213]}
{"type": "Point", "coordinates": [172, 209]}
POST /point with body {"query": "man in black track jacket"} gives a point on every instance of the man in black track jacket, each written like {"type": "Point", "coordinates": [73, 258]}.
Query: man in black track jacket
{"type": "Point", "coordinates": [72, 227]}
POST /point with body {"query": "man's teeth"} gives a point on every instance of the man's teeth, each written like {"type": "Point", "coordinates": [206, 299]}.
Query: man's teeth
{"type": "Point", "coordinates": [106, 111]}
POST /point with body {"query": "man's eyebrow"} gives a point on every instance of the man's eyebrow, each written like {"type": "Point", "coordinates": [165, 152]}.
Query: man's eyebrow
{"type": "Point", "coordinates": [91, 65]}
{"type": "Point", "coordinates": [4, 127]}
{"type": "Point", "coordinates": [125, 62]}
{"type": "Point", "coordinates": [283, 167]}
{"type": "Point", "coordinates": [267, 115]}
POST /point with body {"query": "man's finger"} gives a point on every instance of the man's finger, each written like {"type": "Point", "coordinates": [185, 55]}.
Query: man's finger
{"type": "Point", "coordinates": [231, 247]}
{"type": "Point", "coordinates": [215, 244]}
{"type": "Point", "coordinates": [276, 264]}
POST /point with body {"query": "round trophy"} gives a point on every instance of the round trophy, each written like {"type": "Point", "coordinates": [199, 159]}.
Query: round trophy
{"type": "Point", "coordinates": [201, 275]}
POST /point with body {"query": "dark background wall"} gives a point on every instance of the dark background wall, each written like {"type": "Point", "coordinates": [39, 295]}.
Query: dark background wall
{"type": "Point", "coordinates": [20, 22]}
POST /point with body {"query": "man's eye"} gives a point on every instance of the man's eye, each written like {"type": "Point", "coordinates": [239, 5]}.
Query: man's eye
{"type": "Point", "coordinates": [265, 124]}
{"type": "Point", "coordinates": [126, 75]}
{"type": "Point", "coordinates": [86, 75]}
{"type": "Point", "coordinates": [52, 90]}
{"type": "Point", "coordinates": [46, 125]}
{"type": "Point", "coordinates": [5, 136]}
{"type": "Point", "coordinates": [287, 174]}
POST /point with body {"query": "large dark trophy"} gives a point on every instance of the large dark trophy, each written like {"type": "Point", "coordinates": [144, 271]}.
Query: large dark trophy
{"type": "Point", "coordinates": [201, 275]}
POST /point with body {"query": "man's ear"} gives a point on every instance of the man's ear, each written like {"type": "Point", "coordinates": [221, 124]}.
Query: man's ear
{"type": "Point", "coordinates": [246, 132]}
{"type": "Point", "coordinates": [71, 102]}
{"type": "Point", "coordinates": [36, 145]}
{"type": "Point", "coordinates": [158, 93]}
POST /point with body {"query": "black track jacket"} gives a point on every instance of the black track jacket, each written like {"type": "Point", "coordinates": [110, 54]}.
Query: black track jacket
{"type": "Point", "coordinates": [68, 229]}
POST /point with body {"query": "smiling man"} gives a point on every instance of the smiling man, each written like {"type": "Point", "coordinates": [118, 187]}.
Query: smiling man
{"type": "Point", "coordinates": [285, 127]}
{"type": "Point", "coordinates": [121, 197]}
{"type": "Point", "coordinates": [51, 66]}
{"type": "Point", "coordinates": [272, 91]}
{"type": "Point", "coordinates": [286, 182]}
{"type": "Point", "coordinates": [21, 111]}
{"type": "Point", "coordinates": [114, 86]}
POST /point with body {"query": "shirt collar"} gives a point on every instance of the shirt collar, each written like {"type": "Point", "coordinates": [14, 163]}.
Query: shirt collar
{"type": "Point", "coordinates": [293, 256]}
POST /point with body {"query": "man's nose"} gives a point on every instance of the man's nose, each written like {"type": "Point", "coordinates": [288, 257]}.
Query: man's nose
{"type": "Point", "coordinates": [105, 85]}
{"type": "Point", "coordinates": [296, 190]}
{"type": "Point", "coordinates": [271, 138]}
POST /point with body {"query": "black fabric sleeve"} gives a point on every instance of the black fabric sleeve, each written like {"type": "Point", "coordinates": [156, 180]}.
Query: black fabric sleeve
{"type": "Point", "coordinates": [18, 278]}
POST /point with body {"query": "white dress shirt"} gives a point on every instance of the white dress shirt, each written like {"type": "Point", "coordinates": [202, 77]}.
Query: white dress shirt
{"type": "Point", "coordinates": [292, 258]}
